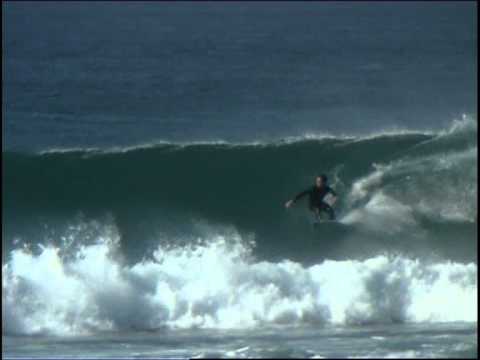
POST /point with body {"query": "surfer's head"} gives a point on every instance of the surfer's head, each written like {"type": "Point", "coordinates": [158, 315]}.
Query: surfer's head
{"type": "Point", "coordinates": [321, 180]}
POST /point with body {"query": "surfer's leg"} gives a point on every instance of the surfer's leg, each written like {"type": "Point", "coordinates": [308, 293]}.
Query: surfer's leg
{"type": "Point", "coordinates": [329, 210]}
{"type": "Point", "coordinates": [316, 214]}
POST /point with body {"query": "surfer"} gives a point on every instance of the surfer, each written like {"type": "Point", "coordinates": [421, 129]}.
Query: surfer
{"type": "Point", "coordinates": [316, 195]}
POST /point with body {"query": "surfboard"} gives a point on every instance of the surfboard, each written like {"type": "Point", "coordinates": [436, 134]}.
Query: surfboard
{"type": "Point", "coordinates": [328, 226]}
{"type": "Point", "coordinates": [326, 221]}
{"type": "Point", "coordinates": [322, 216]}
{"type": "Point", "coordinates": [322, 219]}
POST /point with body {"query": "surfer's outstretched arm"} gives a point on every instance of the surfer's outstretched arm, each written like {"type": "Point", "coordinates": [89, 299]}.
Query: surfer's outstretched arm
{"type": "Point", "coordinates": [296, 198]}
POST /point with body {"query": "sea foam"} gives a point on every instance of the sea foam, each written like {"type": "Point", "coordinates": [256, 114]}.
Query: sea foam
{"type": "Point", "coordinates": [218, 284]}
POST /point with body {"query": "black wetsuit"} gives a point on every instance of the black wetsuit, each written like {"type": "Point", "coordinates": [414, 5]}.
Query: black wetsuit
{"type": "Point", "coordinates": [315, 199]}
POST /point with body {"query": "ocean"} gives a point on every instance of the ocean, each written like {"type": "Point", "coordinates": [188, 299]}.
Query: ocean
{"type": "Point", "coordinates": [149, 148]}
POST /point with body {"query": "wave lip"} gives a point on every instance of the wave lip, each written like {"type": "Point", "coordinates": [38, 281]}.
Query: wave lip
{"type": "Point", "coordinates": [219, 285]}
{"type": "Point", "coordinates": [465, 124]}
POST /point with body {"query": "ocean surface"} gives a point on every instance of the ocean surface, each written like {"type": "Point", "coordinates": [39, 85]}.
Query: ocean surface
{"type": "Point", "coordinates": [149, 148]}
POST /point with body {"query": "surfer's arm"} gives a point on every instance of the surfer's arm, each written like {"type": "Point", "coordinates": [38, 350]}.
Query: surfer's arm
{"type": "Point", "coordinates": [296, 198]}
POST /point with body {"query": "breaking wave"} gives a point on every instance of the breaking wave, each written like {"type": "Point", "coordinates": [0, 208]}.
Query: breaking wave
{"type": "Point", "coordinates": [186, 236]}
{"type": "Point", "coordinates": [219, 284]}
{"type": "Point", "coordinates": [411, 193]}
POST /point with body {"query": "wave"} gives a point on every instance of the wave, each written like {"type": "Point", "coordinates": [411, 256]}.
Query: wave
{"type": "Point", "coordinates": [196, 236]}
{"type": "Point", "coordinates": [406, 192]}
{"type": "Point", "coordinates": [218, 284]}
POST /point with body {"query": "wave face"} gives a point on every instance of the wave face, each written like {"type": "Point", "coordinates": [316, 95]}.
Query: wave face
{"type": "Point", "coordinates": [412, 193]}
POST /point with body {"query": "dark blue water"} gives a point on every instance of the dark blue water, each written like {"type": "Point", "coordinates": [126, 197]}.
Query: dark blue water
{"type": "Point", "coordinates": [121, 74]}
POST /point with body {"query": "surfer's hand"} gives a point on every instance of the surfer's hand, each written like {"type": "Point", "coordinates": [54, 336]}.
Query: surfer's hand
{"type": "Point", "coordinates": [288, 203]}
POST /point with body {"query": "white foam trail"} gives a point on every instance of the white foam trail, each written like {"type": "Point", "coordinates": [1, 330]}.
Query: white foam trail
{"type": "Point", "coordinates": [219, 285]}
{"type": "Point", "coordinates": [440, 186]}
{"type": "Point", "coordinates": [382, 214]}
